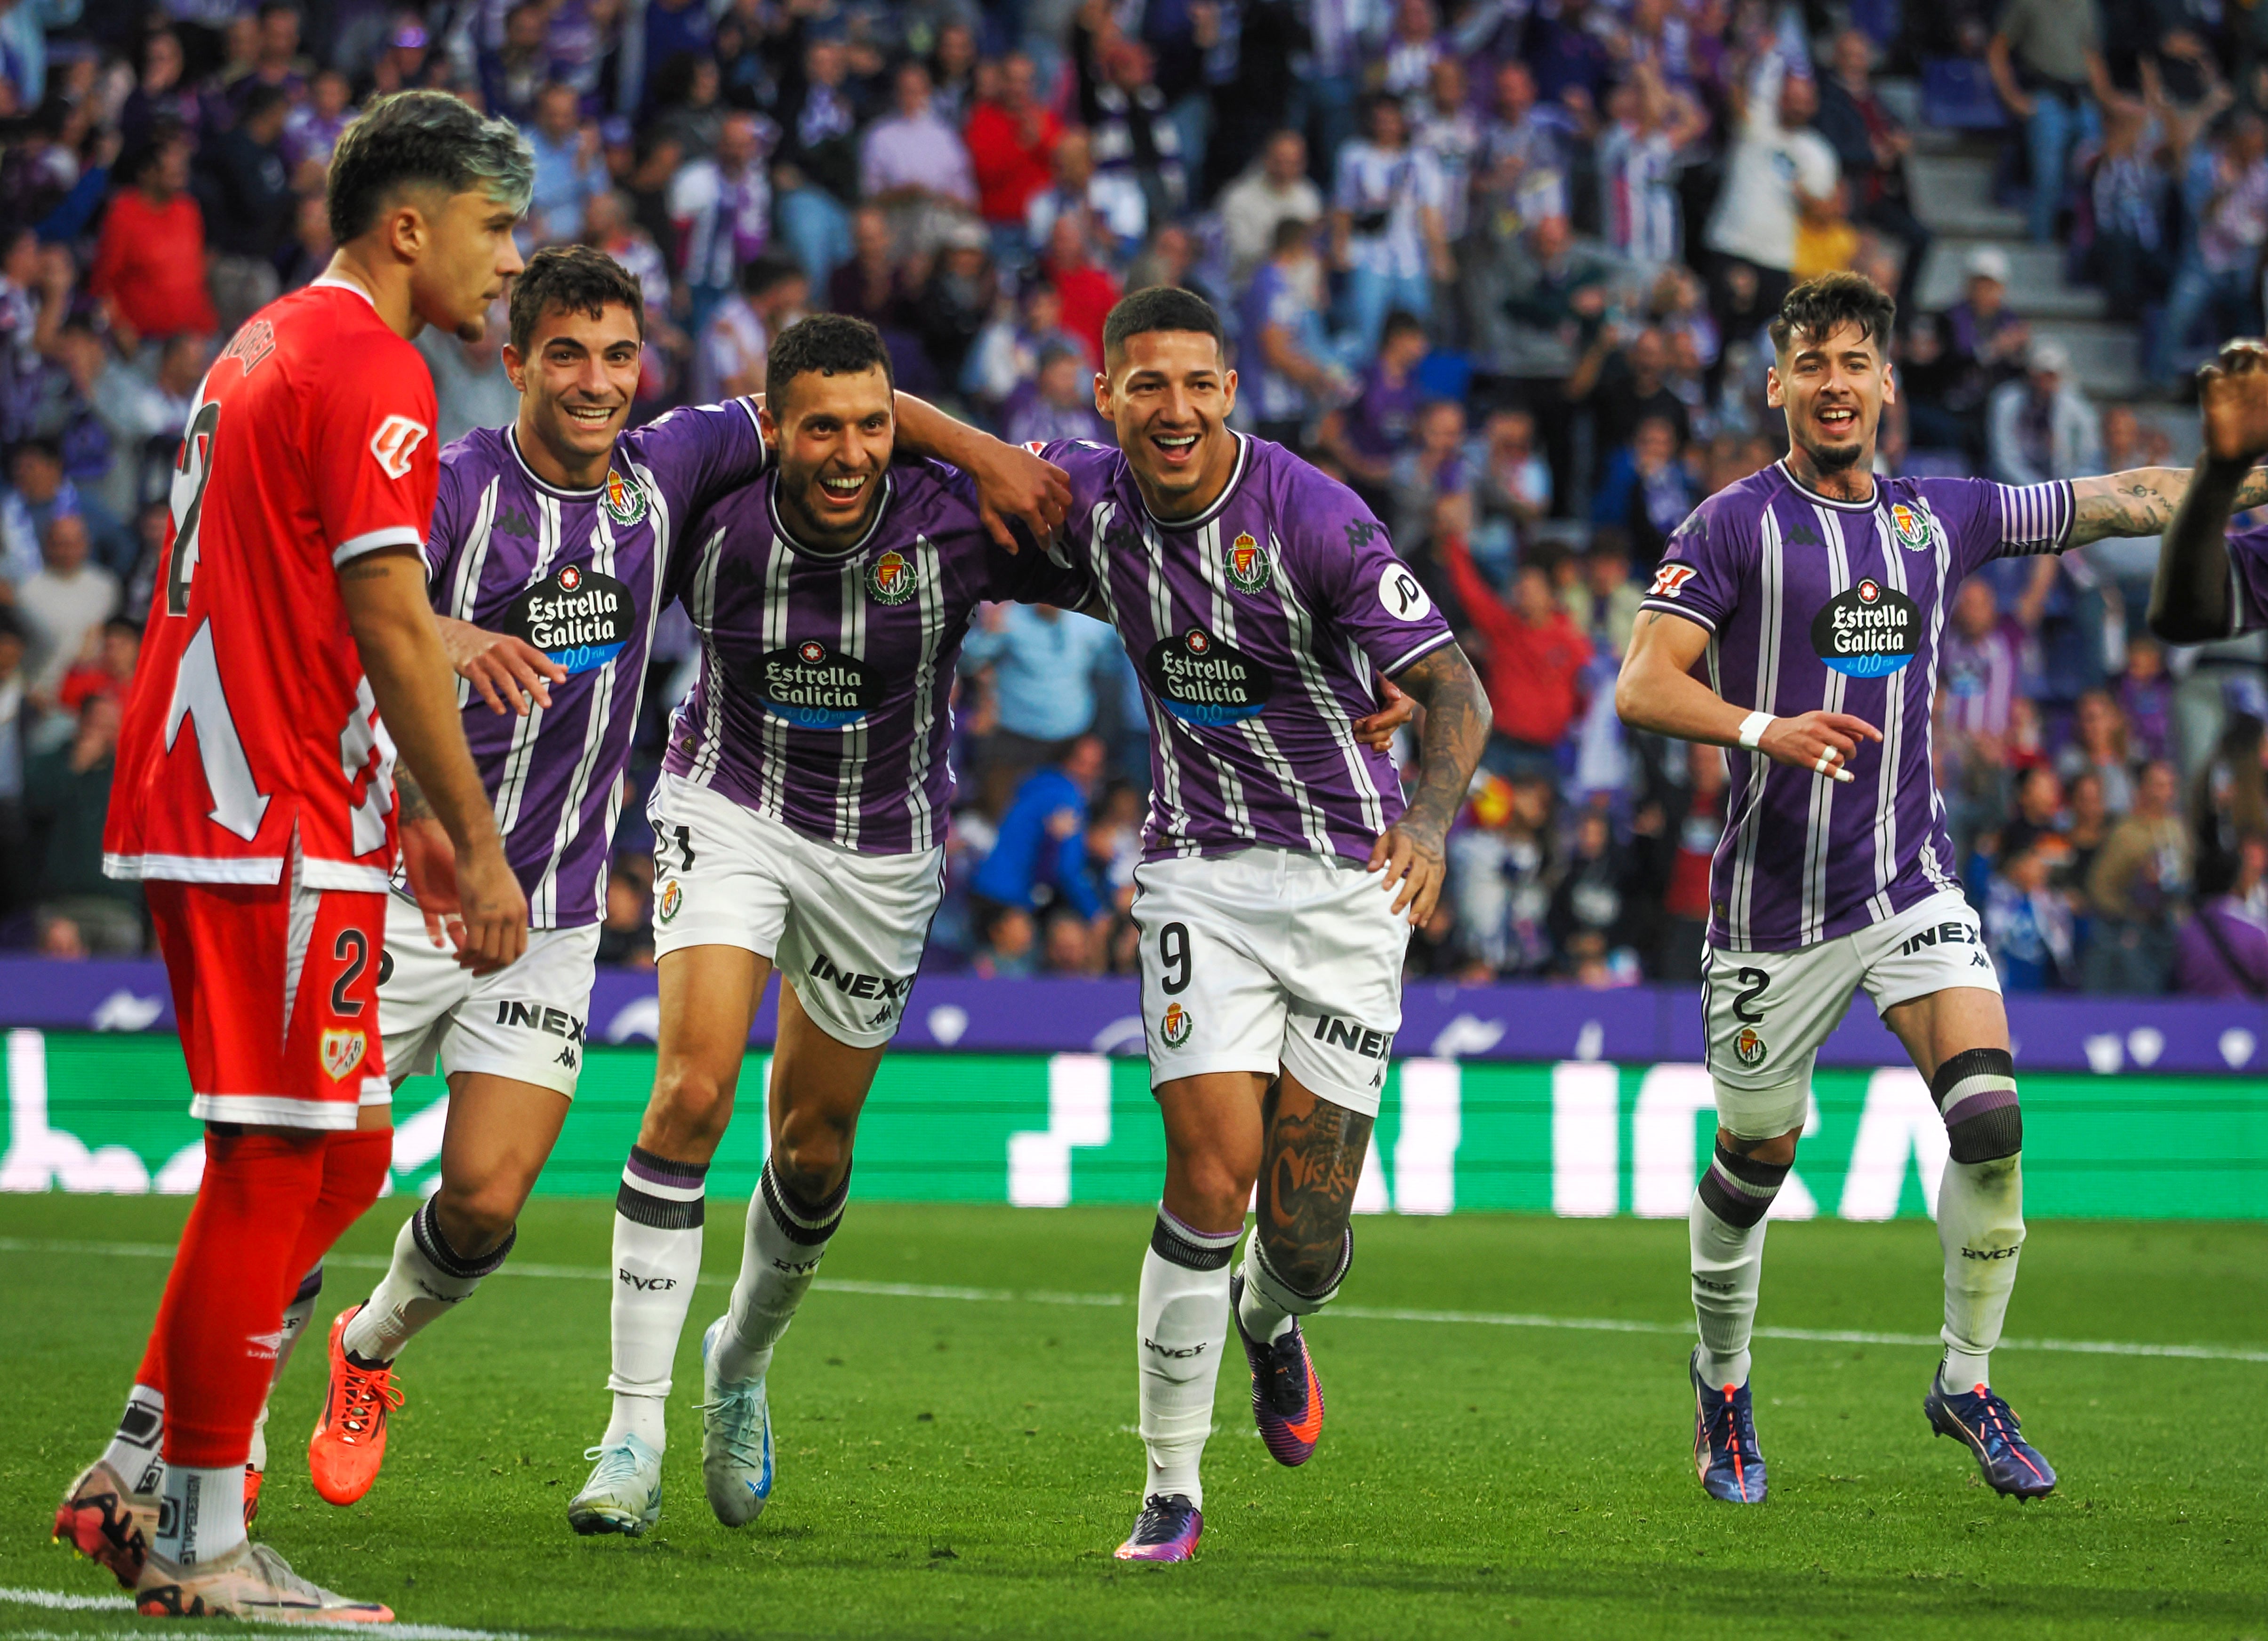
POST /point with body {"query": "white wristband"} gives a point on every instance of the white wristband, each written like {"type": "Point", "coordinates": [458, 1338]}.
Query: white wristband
{"type": "Point", "coordinates": [1753, 728]}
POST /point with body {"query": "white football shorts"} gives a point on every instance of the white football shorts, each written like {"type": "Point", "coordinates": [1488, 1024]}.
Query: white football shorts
{"type": "Point", "coordinates": [525, 1022]}
{"type": "Point", "coordinates": [1767, 1013]}
{"type": "Point", "coordinates": [1269, 959]}
{"type": "Point", "coordinates": [845, 929]}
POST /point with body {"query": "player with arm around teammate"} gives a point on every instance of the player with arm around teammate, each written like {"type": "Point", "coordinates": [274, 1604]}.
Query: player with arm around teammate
{"type": "Point", "coordinates": [2212, 582]}
{"type": "Point", "coordinates": [1814, 592]}
{"type": "Point", "coordinates": [254, 798]}
{"type": "Point", "coordinates": [1281, 870]}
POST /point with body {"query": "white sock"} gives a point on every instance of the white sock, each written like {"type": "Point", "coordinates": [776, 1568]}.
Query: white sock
{"type": "Point", "coordinates": [201, 1516]}
{"type": "Point", "coordinates": [134, 1447]}
{"type": "Point", "coordinates": [785, 1244]}
{"type": "Point", "coordinates": [1269, 1304]}
{"type": "Point", "coordinates": [1727, 1225]}
{"type": "Point", "coordinates": [1980, 1224]}
{"type": "Point", "coordinates": [1180, 1322]}
{"type": "Point", "coordinates": [427, 1279]}
{"type": "Point", "coordinates": [657, 1214]}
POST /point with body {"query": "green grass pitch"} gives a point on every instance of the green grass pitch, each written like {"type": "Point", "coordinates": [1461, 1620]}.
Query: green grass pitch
{"type": "Point", "coordinates": [962, 1465]}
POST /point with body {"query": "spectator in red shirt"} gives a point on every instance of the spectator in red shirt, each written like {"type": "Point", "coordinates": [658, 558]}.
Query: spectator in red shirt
{"type": "Point", "coordinates": [150, 260]}
{"type": "Point", "coordinates": [1085, 290]}
{"type": "Point", "coordinates": [1010, 142]}
{"type": "Point", "coordinates": [1533, 658]}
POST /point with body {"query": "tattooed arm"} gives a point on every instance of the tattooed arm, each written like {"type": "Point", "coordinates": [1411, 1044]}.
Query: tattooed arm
{"type": "Point", "coordinates": [2190, 597]}
{"type": "Point", "coordinates": [1457, 717]}
{"type": "Point", "coordinates": [2141, 501]}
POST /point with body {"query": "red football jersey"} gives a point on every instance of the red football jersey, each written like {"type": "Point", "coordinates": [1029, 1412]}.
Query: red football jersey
{"type": "Point", "coordinates": [251, 723]}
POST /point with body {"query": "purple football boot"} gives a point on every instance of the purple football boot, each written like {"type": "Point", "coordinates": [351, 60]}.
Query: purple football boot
{"type": "Point", "coordinates": [1287, 1398]}
{"type": "Point", "coordinates": [1724, 1452]}
{"type": "Point", "coordinates": [2013, 1467]}
{"type": "Point", "coordinates": [1166, 1530]}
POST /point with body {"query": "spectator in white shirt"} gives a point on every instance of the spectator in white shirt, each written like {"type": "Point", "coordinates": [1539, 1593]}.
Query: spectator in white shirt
{"type": "Point", "coordinates": [1387, 228]}
{"type": "Point", "coordinates": [721, 208]}
{"type": "Point", "coordinates": [915, 165]}
{"type": "Point", "coordinates": [67, 599]}
{"type": "Point", "coordinates": [1275, 188]}
{"type": "Point", "coordinates": [1114, 199]}
{"type": "Point", "coordinates": [2041, 427]}
{"type": "Point", "coordinates": [730, 360]}
{"type": "Point", "coordinates": [1777, 163]}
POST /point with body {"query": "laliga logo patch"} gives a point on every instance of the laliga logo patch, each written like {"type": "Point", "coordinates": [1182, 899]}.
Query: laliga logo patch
{"type": "Point", "coordinates": [342, 1052]}
{"type": "Point", "coordinates": [624, 499]}
{"type": "Point", "coordinates": [890, 578]}
{"type": "Point", "coordinates": [1866, 631]}
{"type": "Point", "coordinates": [1670, 580]}
{"type": "Point", "coordinates": [1913, 529]}
{"type": "Point", "coordinates": [1249, 566]}
{"type": "Point", "coordinates": [672, 901]}
{"type": "Point", "coordinates": [1749, 1047]}
{"type": "Point", "coordinates": [1176, 1024]}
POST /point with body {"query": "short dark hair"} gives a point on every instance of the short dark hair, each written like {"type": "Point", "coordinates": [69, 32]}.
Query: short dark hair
{"type": "Point", "coordinates": [573, 278]}
{"type": "Point", "coordinates": [1290, 231]}
{"type": "Point", "coordinates": [1818, 308]}
{"type": "Point", "coordinates": [1162, 307]}
{"type": "Point", "coordinates": [262, 97]}
{"type": "Point", "coordinates": [825, 344]}
{"type": "Point", "coordinates": [423, 137]}
{"type": "Point", "coordinates": [1400, 322]}
{"type": "Point", "coordinates": [773, 267]}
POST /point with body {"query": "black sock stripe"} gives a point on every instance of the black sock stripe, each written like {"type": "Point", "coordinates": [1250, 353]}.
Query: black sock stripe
{"type": "Point", "coordinates": [1736, 1209]}
{"type": "Point", "coordinates": [669, 1168]}
{"type": "Point", "coordinates": [1170, 1245]}
{"type": "Point", "coordinates": [792, 1226]}
{"type": "Point", "coordinates": [1750, 1171]}
{"type": "Point", "coordinates": [1971, 1062]}
{"type": "Point", "coordinates": [1987, 1137]}
{"type": "Point", "coordinates": [661, 1213]}
{"type": "Point", "coordinates": [310, 1285]}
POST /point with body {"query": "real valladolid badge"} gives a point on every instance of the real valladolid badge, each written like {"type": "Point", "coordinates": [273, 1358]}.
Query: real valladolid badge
{"type": "Point", "coordinates": [1248, 564]}
{"type": "Point", "coordinates": [890, 578]}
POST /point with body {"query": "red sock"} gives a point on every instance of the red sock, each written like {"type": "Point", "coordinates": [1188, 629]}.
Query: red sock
{"type": "Point", "coordinates": [224, 1300]}
{"type": "Point", "coordinates": [353, 1173]}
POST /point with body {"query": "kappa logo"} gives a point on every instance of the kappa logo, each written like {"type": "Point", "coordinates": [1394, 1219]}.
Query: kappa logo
{"type": "Point", "coordinates": [1249, 565]}
{"type": "Point", "coordinates": [1670, 579]}
{"type": "Point", "coordinates": [515, 522]}
{"type": "Point", "coordinates": [890, 578]}
{"type": "Point", "coordinates": [622, 498]}
{"type": "Point", "coordinates": [1361, 532]}
{"type": "Point", "coordinates": [1913, 528]}
{"type": "Point", "coordinates": [341, 1051]}
{"type": "Point", "coordinates": [1176, 1024]}
{"type": "Point", "coordinates": [1749, 1047]}
{"type": "Point", "coordinates": [671, 903]}
{"type": "Point", "coordinates": [396, 440]}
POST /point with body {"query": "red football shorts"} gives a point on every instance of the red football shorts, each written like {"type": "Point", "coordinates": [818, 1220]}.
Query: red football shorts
{"type": "Point", "coordinates": [276, 995]}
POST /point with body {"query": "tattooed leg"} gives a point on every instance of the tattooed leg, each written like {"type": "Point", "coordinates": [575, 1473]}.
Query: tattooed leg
{"type": "Point", "coordinates": [1301, 1248]}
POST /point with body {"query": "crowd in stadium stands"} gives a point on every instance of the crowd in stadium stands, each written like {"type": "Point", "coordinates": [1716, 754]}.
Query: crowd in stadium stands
{"type": "Point", "coordinates": [1502, 265]}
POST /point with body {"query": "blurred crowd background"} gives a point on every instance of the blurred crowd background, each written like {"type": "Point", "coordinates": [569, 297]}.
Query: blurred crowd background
{"type": "Point", "coordinates": [1502, 265]}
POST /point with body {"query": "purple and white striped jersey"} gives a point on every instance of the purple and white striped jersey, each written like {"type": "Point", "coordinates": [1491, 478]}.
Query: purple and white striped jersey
{"type": "Point", "coordinates": [824, 696]}
{"type": "Point", "coordinates": [581, 575]}
{"type": "Point", "coordinates": [2247, 580]}
{"type": "Point", "coordinates": [1258, 628]}
{"type": "Point", "coordinates": [1818, 605]}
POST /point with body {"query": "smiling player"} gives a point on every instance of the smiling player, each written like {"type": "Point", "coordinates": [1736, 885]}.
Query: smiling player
{"type": "Point", "coordinates": [1815, 593]}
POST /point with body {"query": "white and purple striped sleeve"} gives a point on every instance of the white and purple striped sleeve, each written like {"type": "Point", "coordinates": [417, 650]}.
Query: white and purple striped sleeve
{"type": "Point", "coordinates": [2035, 517]}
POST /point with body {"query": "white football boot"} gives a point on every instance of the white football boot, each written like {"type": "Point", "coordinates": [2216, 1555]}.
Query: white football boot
{"type": "Point", "coordinates": [736, 1439]}
{"type": "Point", "coordinates": [249, 1581]}
{"type": "Point", "coordinates": [625, 1492]}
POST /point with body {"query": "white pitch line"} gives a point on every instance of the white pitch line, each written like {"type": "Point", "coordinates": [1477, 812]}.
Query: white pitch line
{"type": "Point", "coordinates": [57, 1601]}
{"type": "Point", "coordinates": [1358, 1313]}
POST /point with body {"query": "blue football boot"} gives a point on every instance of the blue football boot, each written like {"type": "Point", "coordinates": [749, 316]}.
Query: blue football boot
{"type": "Point", "coordinates": [1724, 1452]}
{"type": "Point", "coordinates": [2011, 1465]}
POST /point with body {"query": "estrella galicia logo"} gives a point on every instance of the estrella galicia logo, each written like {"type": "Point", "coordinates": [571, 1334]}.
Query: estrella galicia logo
{"type": "Point", "coordinates": [890, 578]}
{"type": "Point", "coordinates": [1866, 631]}
{"type": "Point", "coordinates": [577, 616]}
{"type": "Point", "coordinates": [622, 498]}
{"type": "Point", "coordinates": [1206, 681]}
{"type": "Point", "coordinates": [813, 688]}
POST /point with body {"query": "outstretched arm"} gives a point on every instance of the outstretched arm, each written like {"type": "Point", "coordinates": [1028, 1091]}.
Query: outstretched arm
{"type": "Point", "coordinates": [1012, 483]}
{"type": "Point", "coordinates": [2188, 598]}
{"type": "Point", "coordinates": [2141, 501]}
{"type": "Point", "coordinates": [1657, 691]}
{"type": "Point", "coordinates": [1413, 851]}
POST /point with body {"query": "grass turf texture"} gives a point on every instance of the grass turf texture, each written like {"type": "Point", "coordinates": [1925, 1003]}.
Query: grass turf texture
{"type": "Point", "coordinates": [958, 1467]}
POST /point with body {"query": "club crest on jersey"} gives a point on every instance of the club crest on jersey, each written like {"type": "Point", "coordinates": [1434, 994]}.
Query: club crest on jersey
{"type": "Point", "coordinates": [624, 499]}
{"type": "Point", "coordinates": [1175, 1025]}
{"type": "Point", "coordinates": [341, 1051]}
{"type": "Point", "coordinates": [890, 578]}
{"type": "Point", "coordinates": [1869, 630]}
{"type": "Point", "coordinates": [1249, 565]}
{"type": "Point", "coordinates": [671, 902]}
{"type": "Point", "coordinates": [1749, 1047]}
{"type": "Point", "coordinates": [577, 615]}
{"type": "Point", "coordinates": [1912, 527]}
{"type": "Point", "coordinates": [1206, 680]}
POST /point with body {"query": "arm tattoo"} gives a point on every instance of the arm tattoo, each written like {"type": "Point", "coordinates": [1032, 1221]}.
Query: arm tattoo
{"type": "Point", "coordinates": [2137, 502]}
{"type": "Point", "coordinates": [410, 797]}
{"type": "Point", "coordinates": [1306, 1190]}
{"type": "Point", "coordinates": [1457, 729]}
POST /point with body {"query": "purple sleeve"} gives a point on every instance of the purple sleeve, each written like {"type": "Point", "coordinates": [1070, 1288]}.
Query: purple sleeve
{"type": "Point", "coordinates": [445, 537]}
{"type": "Point", "coordinates": [700, 452]}
{"type": "Point", "coordinates": [1704, 565]}
{"type": "Point", "coordinates": [1984, 520]}
{"type": "Point", "coordinates": [1362, 584]}
{"type": "Point", "coordinates": [2247, 580]}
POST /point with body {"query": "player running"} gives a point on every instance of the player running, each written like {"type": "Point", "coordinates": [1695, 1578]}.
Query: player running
{"type": "Point", "coordinates": [1816, 593]}
{"type": "Point", "coordinates": [254, 798]}
{"type": "Point", "coordinates": [2212, 583]}
{"type": "Point", "coordinates": [1262, 604]}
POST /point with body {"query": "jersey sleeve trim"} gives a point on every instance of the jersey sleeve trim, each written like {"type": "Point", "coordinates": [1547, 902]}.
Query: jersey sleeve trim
{"type": "Point", "coordinates": [2035, 517]}
{"type": "Point", "coordinates": [274, 1111]}
{"type": "Point", "coordinates": [1425, 647]}
{"type": "Point", "coordinates": [370, 541]}
{"type": "Point", "coordinates": [344, 874]}
{"type": "Point", "coordinates": [1667, 609]}
{"type": "Point", "coordinates": [248, 869]}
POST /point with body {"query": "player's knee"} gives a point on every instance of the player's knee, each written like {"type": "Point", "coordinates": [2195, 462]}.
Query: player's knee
{"type": "Point", "coordinates": [1218, 1186]}
{"type": "Point", "coordinates": [1975, 1094]}
{"type": "Point", "coordinates": [479, 1215]}
{"type": "Point", "coordinates": [811, 1161]}
{"type": "Point", "coordinates": [1776, 1151]}
{"type": "Point", "coordinates": [690, 1103]}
